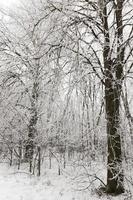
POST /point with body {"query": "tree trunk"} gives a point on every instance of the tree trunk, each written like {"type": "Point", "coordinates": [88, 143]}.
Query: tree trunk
{"type": "Point", "coordinates": [32, 132]}
{"type": "Point", "coordinates": [39, 161]}
{"type": "Point", "coordinates": [113, 86]}
{"type": "Point", "coordinates": [114, 161]}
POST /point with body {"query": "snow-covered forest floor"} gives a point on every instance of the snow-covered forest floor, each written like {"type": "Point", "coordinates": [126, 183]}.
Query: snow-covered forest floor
{"type": "Point", "coordinates": [72, 184]}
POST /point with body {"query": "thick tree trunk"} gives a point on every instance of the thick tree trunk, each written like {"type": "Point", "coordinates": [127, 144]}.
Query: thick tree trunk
{"type": "Point", "coordinates": [113, 86]}
{"type": "Point", "coordinates": [114, 161]}
{"type": "Point", "coordinates": [32, 132]}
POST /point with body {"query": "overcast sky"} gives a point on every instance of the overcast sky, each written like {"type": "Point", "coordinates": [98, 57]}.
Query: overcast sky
{"type": "Point", "coordinates": [8, 3]}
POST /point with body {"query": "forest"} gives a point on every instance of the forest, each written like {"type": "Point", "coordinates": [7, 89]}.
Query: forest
{"type": "Point", "coordinates": [66, 117]}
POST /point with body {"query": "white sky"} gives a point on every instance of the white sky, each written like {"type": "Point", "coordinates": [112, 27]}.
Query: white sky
{"type": "Point", "coordinates": [8, 3]}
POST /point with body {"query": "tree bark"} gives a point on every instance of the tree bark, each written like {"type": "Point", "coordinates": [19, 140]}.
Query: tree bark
{"type": "Point", "coordinates": [32, 132]}
{"type": "Point", "coordinates": [113, 87]}
{"type": "Point", "coordinates": [114, 162]}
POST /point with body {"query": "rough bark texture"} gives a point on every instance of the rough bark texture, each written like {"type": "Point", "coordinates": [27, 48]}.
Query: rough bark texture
{"type": "Point", "coordinates": [113, 86]}
{"type": "Point", "coordinates": [32, 126]}
{"type": "Point", "coordinates": [115, 171]}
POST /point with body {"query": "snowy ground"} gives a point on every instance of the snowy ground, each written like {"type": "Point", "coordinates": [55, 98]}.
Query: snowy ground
{"type": "Point", "coordinates": [20, 185]}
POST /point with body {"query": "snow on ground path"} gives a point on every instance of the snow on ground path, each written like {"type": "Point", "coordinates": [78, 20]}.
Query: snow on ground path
{"type": "Point", "coordinates": [16, 185]}
{"type": "Point", "coordinates": [22, 186]}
